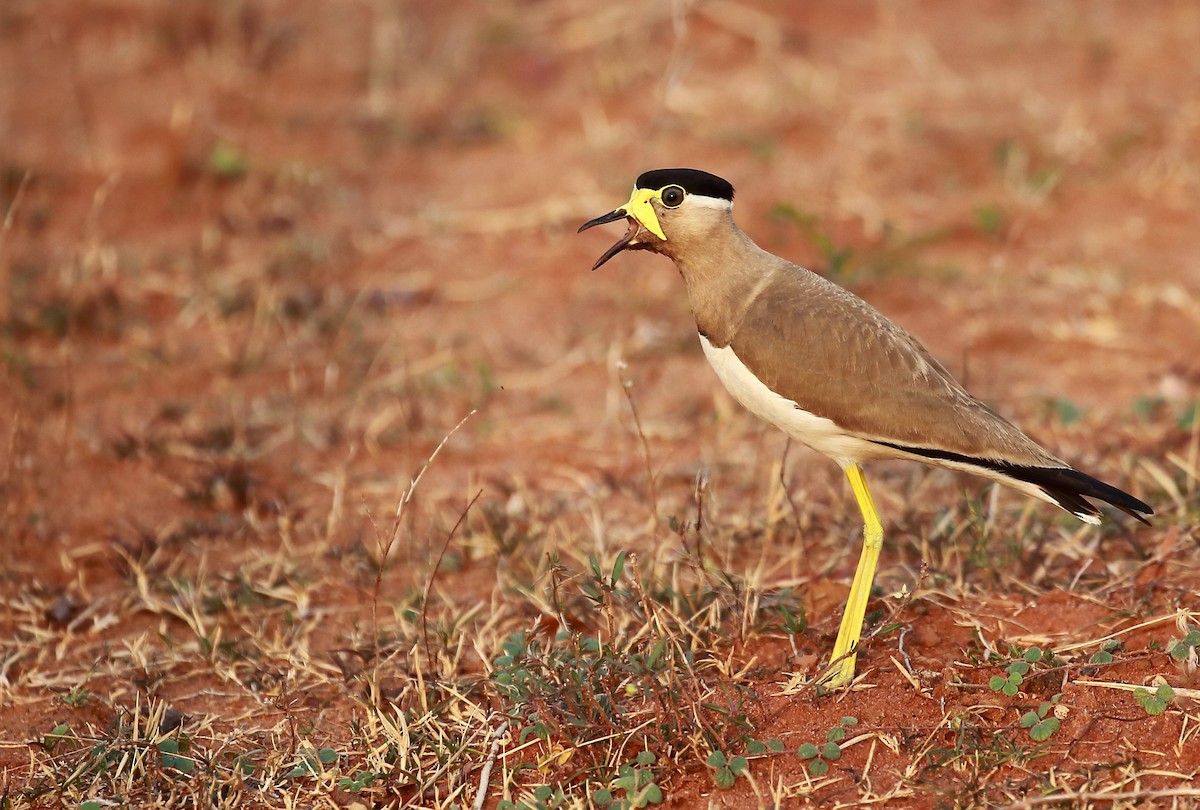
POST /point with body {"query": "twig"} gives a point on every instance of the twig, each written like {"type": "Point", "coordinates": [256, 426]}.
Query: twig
{"type": "Point", "coordinates": [11, 214]}
{"type": "Point", "coordinates": [433, 575]}
{"type": "Point", "coordinates": [787, 493]}
{"type": "Point", "coordinates": [486, 774]}
{"type": "Point", "coordinates": [1078, 799]}
{"type": "Point", "coordinates": [701, 486]}
{"type": "Point", "coordinates": [386, 546]}
{"type": "Point", "coordinates": [1132, 687]}
{"type": "Point", "coordinates": [627, 388]}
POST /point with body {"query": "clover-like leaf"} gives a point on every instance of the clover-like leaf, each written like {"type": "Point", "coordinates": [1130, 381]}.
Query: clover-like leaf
{"type": "Point", "coordinates": [1044, 729]}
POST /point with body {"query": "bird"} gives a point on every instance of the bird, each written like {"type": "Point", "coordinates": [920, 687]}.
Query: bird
{"type": "Point", "coordinates": [832, 372]}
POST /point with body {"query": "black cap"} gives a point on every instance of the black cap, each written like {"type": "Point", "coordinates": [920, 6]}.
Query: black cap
{"type": "Point", "coordinates": [693, 181]}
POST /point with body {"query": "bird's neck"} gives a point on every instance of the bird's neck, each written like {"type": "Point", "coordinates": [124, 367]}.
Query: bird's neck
{"type": "Point", "coordinates": [723, 278]}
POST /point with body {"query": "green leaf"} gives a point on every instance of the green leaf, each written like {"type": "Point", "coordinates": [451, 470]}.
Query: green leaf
{"type": "Point", "coordinates": [775, 744]}
{"type": "Point", "coordinates": [1033, 655]}
{"type": "Point", "coordinates": [1102, 657]}
{"type": "Point", "coordinates": [243, 764]}
{"type": "Point", "coordinates": [739, 766]}
{"type": "Point", "coordinates": [818, 767]}
{"type": "Point", "coordinates": [1029, 719]}
{"type": "Point", "coordinates": [989, 219]}
{"type": "Point", "coordinates": [90, 804]}
{"type": "Point", "coordinates": [656, 653]}
{"type": "Point", "coordinates": [836, 733]}
{"type": "Point", "coordinates": [626, 782]}
{"type": "Point", "coordinates": [653, 794]}
{"type": "Point", "coordinates": [1178, 650]}
{"type": "Point", "coordinates": [831, 751]}
{"type": "Point", "coordinates": [170, 758]}
{"type": "Point", "coordinates": [543, 793]}
{"type": "Point", "coordinates": [56, 735]}
{"type": "Point", "coordinates": [1010, 689]}
{"type": "Point", "coordinates": [327, 756]}
{"type": "Point", "coordinates": [1068, 412]}
{"type": "Point", "coordinates": [808, 751]}
{"type": "Point", "coordinates": [996, 683]}
{"type": "Point", "coordinates": [1042, 730]}
{"type": "Point", "coordinates": [755, 748]}
{"type": "Point", "coordinates": [1192, 639]}
{"type": "Point", "coordinates": [724, 778]}
{"type": "Point", "coordinates": [618, 567]}
{"type": "Point", "coordinates": [1165, 693]}
{"type": "Point", "coordinates": [849, 720]}
{"type": "Point", "coordinates": [646, 758]}
{"type": "Point", "coordinates": [716, 760]}
{"type": "Point", "coordinates": [225, 162]}
{"type": "Point", "coordinates": [1017, 668]}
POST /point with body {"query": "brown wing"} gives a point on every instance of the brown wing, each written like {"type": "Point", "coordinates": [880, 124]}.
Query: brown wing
{"type": "Point", "coordinates": [838, 357]}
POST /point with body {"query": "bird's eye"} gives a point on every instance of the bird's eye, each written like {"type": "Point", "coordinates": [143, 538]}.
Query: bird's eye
{"type": "Point", "coordinates": [672, 196]}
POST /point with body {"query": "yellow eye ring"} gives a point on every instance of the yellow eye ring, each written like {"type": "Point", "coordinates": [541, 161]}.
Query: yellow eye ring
{"type": "Point", "coordinates": [672, 196]}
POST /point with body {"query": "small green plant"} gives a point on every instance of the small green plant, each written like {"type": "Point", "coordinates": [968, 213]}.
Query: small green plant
{"type": "Point", "coordinates": [817, 759]}
{"type": "Point", "coordinates": [171, 755]}
{"type": "Point", "coordinates": [1014, 674]}
{"type": "Point", "coordinates": [77, 697]}
{"type": "Point", "coordinates": [59, 734]}
{"type": "Point", "coordinates": [544, 798]}
{"type": "Point", "coordinates": [990, 220]}
{"type": "Point", "coordinates": [1186, 648]}
{"type": "Point", "coordinates": [726, 770]}
{"type": "Point", "coordinates": [598, 585]}
{"type": "Point", "coordinates": [360, 780]}
{"type": "Point", "coordinates": [1105, 654]}
{"type": "Point", "coordinates": [227, 163]}
{"type": "Point", "coordinates": [756, 748]}
{"type": "Point", "coordinates": [1155, 702]}
{"type": "Point", "coordinates": [1040, 722]}
{"type": "Point", "coordinates": [311, 762]}
{"type": "Point", "coordinates": [637, 783]}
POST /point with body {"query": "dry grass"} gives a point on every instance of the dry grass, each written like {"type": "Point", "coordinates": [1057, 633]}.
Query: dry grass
{"type": "Point", "coordinates": [332, 479]}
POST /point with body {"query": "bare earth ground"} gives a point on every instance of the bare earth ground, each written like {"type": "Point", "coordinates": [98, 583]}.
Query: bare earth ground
{"type": "Point", "coordinates": [259, 260]}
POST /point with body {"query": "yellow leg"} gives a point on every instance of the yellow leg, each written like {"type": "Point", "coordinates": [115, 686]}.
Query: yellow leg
{"type": "Point", "coordinates": [860, 588]}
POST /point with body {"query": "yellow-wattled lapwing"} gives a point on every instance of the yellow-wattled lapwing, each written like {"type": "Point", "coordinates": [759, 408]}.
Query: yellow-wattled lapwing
{"type": "Point", "coordinates": [831, 371]}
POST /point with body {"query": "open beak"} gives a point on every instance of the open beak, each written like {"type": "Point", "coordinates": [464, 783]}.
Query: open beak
{"type": "Point", "coordinates": [641, 216]}
{"type": "Point", "coordinates": [625, 241]}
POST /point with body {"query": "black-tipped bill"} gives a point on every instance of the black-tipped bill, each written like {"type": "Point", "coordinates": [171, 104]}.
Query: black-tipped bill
{"type": "Point", "coordinates": [604, 219]}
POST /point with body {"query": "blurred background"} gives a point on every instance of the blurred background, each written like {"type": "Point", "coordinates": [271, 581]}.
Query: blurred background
{"type": "Point", "coordinates": [259, 258]}
{"type": "Point", "coordinates": [252, 249]}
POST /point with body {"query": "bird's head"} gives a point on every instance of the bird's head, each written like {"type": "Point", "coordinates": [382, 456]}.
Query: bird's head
{"type": "Point", "coordinates": [669, 208]}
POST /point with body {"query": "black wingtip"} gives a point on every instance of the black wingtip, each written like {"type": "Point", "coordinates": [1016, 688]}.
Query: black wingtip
{"type": "Point", "coordinates": [1066, 482]}
{"type": "Point", "coordinates": [1067, 487]}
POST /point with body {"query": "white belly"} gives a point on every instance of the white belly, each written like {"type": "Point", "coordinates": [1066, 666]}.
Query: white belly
{"type": "Point", "coordinates": [817, 432]}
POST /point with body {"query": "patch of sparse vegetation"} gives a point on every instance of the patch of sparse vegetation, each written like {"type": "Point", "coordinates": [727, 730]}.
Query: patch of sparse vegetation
{"type": "Point", "coordinates": [818, 758]}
